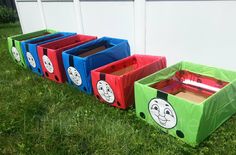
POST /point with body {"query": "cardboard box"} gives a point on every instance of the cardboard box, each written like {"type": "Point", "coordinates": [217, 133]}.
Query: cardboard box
{"type": "Point", "coordinates": [14, 44]}
{"type": "Point", "coordinates": [54, 50]}
{"type": "Point", "coordinates": [186, 100]}
{"type": "Point", "coordinates": [114, 82]}
{"type": "Point", "coordinates": [79, 61]}
{"type": "Point", "coordinates": [30, 52]}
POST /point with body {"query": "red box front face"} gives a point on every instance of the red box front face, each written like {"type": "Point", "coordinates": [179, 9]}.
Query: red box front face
{"type": "Point", "coordinates": [50, 56]}
{"type": "Point", "coordinates": [114, 83]}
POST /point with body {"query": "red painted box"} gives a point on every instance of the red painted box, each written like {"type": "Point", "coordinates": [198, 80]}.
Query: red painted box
{"type": "Point", "coordinates": [114, 83]}
{"type": "Point", "coordinates": [50, 56]}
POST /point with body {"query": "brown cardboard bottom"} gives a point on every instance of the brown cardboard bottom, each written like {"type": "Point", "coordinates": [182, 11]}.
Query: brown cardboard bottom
{"type": "Point", "coordinates": [93, 51]}
{"type": "Point", "coordinates": [123, 70]}
{"type": "Point", "coordinates": [190, 86]}
{"type": "Point", "coordinates": [190, 96]}
{"type": "Point", "coordinates": [26, 38]}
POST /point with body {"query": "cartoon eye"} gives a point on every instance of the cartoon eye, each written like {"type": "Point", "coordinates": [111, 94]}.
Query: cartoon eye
{"type": "Point", "coordinates": [168, 112]}
{"type": "Point", "coordinates": [155, 107]}
{"type": "Point", "coordinates": [108, 89]}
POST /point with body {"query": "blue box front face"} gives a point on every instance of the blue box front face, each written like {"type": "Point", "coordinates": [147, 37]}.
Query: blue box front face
{"type": "Point", "coordinates": [29, 49]}
{"type": "Point", "coordinates": [79, 61]}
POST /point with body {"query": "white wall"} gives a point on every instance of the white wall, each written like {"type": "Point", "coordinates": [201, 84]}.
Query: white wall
{"type": "Point", "coordinates": [31, 16]}
{"type": "Point", "coordinates": [201, 31]}
{"type": "Point", "coordinates": [60, 15]}
{"type": "Point", "coordinates": [197, 31]}
{"type": "Point", "coordinates": [115, 19]}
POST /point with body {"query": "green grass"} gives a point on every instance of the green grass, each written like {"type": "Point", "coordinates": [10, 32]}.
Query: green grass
{"type": "Point", "coordinates": [38, 116]}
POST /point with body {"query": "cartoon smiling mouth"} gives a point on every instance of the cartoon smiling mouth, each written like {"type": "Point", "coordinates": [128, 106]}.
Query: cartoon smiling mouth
{"type": "Point", "coordinates": [107, 96]}
{"type": "Point", "coordinates": [162, 119]}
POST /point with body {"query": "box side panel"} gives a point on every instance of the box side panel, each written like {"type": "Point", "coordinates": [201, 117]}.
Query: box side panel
{"type": "Point", "coordinates": [107, 89]}
{"type": "Point", "coordinates": [31, 57]}
{"type": "Point", "coordinates": [76, 72]}
{"type": "Point", "coordinates": [66, 65]}
{"type": "Point", "coordinates": [217, 110]}
{"type": "Point", "coordinates": [129, 79]}
{"type": "Point", "coordinates": [167, 112]}
{"type": "Point", "coordinates": [161, 75]}
{"type": "Point", "coordinates": [218, 73]}
{"type": "Point", "coordinates": [55, 63]}
{"type": "Point", "coordinates": [10, 48]}
{"type": "Point", "coordinates": [107, 56]}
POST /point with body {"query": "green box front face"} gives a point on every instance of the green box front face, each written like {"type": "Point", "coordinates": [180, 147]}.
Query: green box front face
{"type": "Point", "coordinates": [14, 44]}
{"type": "Point", "coordinates": [183, 119]}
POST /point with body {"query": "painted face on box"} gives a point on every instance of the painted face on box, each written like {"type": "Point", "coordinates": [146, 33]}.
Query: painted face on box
{"type": "Point", "coordinates": [48, 64]}
{"type": "Point", "coordinates": [163, 113]}
{"type": "Point", "coordinates": [15, 54]}
{"type": "Point", "coordinates": [105, 91]}
{"type": "Point", "coordinates": [74, 76]}
{"type": "Point", "coordinates": [30, 59]}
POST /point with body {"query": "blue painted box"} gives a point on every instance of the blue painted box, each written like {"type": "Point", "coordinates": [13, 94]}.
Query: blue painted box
{"type": "Point", "coordinates": [79, 61]}
{"type": "Point", "coordinates": [29, 49]}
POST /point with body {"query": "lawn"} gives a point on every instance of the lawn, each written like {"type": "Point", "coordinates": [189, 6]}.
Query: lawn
{"type": "Point", "coordinates": [38, 116]}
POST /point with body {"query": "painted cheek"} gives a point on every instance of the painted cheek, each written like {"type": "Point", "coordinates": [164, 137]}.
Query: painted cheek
{"type": "Point", "coordinates": [155, 113]}
{"type": "Point", "coordinates": [169, 117]}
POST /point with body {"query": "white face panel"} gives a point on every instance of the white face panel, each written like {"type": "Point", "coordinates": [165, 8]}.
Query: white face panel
{"type": "Point", "coordinates": [74, 76]}
{"type": "Point", "coordinates": [163, 113]}
{"type": "Point", "coordinates": [31, 60]}
{"type": "Point", "coordinates": [16, 54]}
{"type": "Point", "coordinates": [48, 64]}
{"type": "Point", "coordinates": [105, 91]}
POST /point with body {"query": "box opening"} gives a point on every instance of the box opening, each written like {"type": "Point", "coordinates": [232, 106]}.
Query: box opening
{"type": "Point", "coordinates": [130, 64]}
{"type": "Point", "coordinates": [32, 37]}
{"type": "Point", "coordinates": [123, 68]}
{"type": "Point", "coordinates": [46, 38]}
{"type": "Point", "coordinates": [93, 49]}
{"type": "Point", "coordinates": [190, 86]}
{"type": "Point", "coordinates": [64, 43]}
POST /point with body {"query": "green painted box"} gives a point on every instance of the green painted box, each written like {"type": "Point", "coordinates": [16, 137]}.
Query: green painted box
{"type": "Point", "coordinates": [180, 115]}
{"type": "Point", "coordinates": [14, 44]}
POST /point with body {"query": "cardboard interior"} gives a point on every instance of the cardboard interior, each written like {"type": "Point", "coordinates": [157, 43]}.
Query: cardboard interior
{"type": "Point", "coordinates": [30, 37]}
{"type": "Point", "coordinates": [92, 51]}
{"type": "Point", "coordinates": [60, 44]}
{"type": "Point", "coordinates": [197, 88]}
{"type": "Point", "coordinates": [191, 96]}
{"type": "Point", "coordinates": [123, 70]}
{"type": "Point", "coordinates": [46, 38]}
{"type": "Point", "coordinates": [126, 66]}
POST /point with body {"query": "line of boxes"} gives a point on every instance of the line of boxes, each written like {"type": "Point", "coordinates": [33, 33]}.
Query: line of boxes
{"type": "Point", "coordinates": [114, 83]}
{"type": "Point", "coordinates": [15, 47]}
{"type": "Point", "coordinates": [53, 52]}
{"type": "Point", "coordinates": [30, 51]}
{"type": "Point", "coordinates": [82, 59]}
{"type": "Point", "coordinates": [186, 100]}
